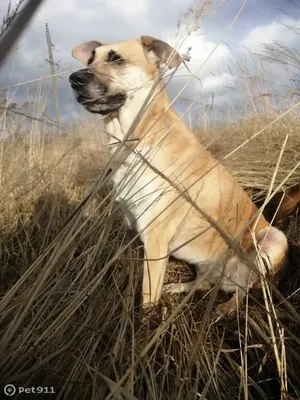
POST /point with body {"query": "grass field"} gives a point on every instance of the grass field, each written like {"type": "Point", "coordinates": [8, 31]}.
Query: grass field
{"type": "Point", "coordinates": [70, 281]}
{"type": "Point", "coordinates": [70, 276]}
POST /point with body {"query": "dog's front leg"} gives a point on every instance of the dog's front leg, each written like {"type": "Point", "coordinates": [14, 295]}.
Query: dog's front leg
{"type": "Point", "coordinates": [155, 262]}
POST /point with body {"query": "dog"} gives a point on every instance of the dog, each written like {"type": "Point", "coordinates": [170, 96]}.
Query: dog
{"type": "Point", "coordinates": [183, 202]}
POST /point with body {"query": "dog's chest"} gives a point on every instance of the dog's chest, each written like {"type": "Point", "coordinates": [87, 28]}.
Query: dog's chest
{"type": "Point", "coordinates": [138, 189]}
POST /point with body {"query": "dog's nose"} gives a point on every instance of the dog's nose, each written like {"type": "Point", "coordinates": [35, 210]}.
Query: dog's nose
{"type": "Point", "coordinates": [79, 78]}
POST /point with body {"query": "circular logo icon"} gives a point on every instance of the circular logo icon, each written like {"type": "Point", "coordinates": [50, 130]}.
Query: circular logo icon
{"type": "Point", "coordinates": [9, 390]}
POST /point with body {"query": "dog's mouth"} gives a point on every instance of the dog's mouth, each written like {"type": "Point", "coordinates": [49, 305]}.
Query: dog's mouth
{"type": "Point", "coordinates": [92, 94]}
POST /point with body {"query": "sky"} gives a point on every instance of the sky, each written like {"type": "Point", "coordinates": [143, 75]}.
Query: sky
{"type": "Point", "coordinates": [218, 55]}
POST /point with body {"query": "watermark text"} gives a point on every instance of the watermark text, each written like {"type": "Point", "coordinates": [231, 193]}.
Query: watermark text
{"type": "Point", "coordinates": [10, 390]}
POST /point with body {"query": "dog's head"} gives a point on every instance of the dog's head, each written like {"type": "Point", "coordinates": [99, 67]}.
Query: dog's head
{"type": "Point", "coordinates": [114, 72]}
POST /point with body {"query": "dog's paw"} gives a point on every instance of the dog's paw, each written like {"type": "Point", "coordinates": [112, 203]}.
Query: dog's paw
{"type": "Point", "coordinates": [174, 288]}
{"type": "Point", "coordinates": [224, 310]}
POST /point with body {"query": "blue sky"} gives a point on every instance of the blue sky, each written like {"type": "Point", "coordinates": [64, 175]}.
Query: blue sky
{"type": "Point", "coordinates": [74, 21]}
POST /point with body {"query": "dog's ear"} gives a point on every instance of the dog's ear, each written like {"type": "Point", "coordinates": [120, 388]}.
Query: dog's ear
{"type": "Point", "coordinates": [161, 51]}
{"type": "Point", "coordinates": [84, 51]}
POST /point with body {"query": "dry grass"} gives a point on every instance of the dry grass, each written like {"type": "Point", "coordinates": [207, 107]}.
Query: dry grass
{"type": "Point", "coordinates": [70, 284]}
{"type": "Point", "coordinates": [254, 163]}
{"type": "Point", "coordinates": [71, 274]}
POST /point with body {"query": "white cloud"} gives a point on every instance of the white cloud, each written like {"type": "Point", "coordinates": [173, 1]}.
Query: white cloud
{"type": "Point", "coordinates": [204, 53]}
{"type": "Point", "coordinates": [208, 62]}
{"type": "Point", "coordinates": [133, 9]}
{"type": "Point", "coordinates": [216, 59]}
{"type": "Point", "coordinates": [215, 82]}
{"type": "Point", "coordinates": [277, 31]}
{"type": "Point", "coordinates": [73, 21]}
{"type": "Point", "coordinates": [113, 21]}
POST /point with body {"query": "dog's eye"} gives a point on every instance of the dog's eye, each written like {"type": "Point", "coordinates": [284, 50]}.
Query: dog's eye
{"type": "Point", "coordinates": [91, 59]}
{"type": "Point", "coordinates": [114, 57]}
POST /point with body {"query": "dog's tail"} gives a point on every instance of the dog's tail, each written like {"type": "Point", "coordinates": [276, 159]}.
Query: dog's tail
{"type": "Point", "coordinates": [282, 238]}
{"type": "Point", "coordinates": [287, 219]}
{"type": "Point", "coordinates": [288, 205]}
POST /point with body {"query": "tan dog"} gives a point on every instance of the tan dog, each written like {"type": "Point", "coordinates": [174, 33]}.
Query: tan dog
{"type": "Point", "coordinates": [166, 160]}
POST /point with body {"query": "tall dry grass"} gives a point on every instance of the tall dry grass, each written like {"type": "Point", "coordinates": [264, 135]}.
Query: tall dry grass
{"type": "Point", "coordinates": [71, 274]}
{"type": "Point", "coordinates": [70, 283]}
